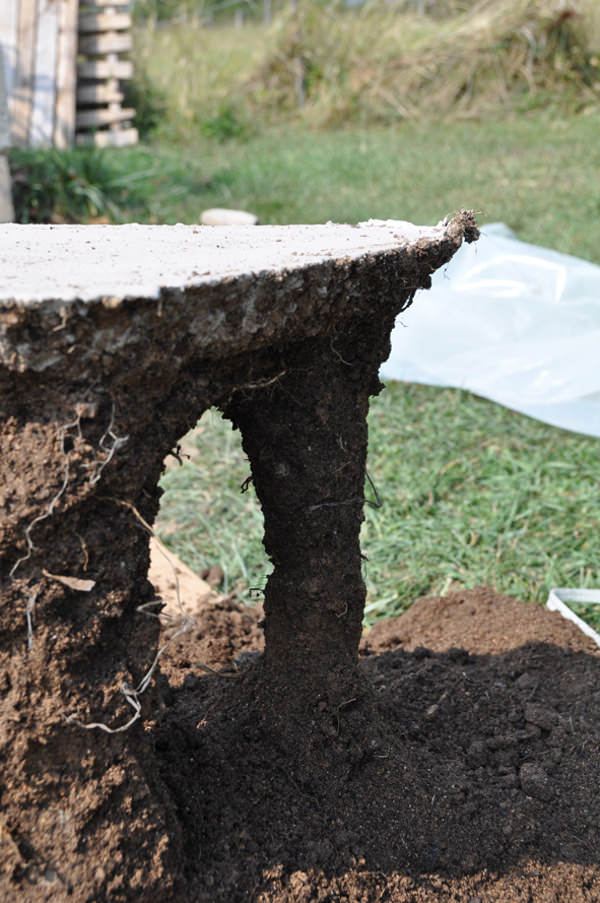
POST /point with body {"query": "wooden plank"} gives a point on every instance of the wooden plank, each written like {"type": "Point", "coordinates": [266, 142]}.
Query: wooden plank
{"type": "Point", "coordinates": [85, 4]}
{"type": "Point", "coordinates": [109, 138]}
{"type": "Point", "coordinates": [41, 132]}
{"type": "Point", "coordinates": [93, 22]}
{"type": "Point", "coordinates": [64, 115]}
{"type": "Point", "coordinates": [109, 42]}
{"type": "Point", "coordinates": [94, 118]}
{"type": "Point", "coordinates": [99, 93]}
{"type": "Point", "coordinates": [4, 118]}
{"type": "Point", "coordinates": [7, 211]}
{"type": "Point", "coordinates": [22, 91]}
{"type": "Point", "coordinates": [8, 39]}
{"type": "Point", "coordinates": [121, 69]}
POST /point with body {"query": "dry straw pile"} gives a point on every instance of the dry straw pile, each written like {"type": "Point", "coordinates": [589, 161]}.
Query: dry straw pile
{"type": "Point", "coordinates": [379, 63]}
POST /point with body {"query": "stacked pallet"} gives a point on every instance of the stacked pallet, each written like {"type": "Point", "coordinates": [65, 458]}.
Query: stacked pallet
{"type": "Point", "coordinates": [7, 213]}
{"type": "Point", "coordinates": [63, 69]}
{"type": "Point", "coordinates": [104, 36]}
{"type": "Point", "coordinates": [39, 45]}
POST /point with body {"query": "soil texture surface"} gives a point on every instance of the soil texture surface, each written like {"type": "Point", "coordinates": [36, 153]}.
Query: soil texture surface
{"type": "Point", "coordinates": [479, 784]}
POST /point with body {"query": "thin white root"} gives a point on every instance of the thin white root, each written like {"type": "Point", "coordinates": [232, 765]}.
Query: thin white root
{"type": "Point", "coordinates": [49, 510]}
{"type": "Point", "coordinates": [62, 433]}
{"type": "Point", "coordinates": [117, 443]}
{"type": "Point", "coordinates": [29, 616]}
{"type": "Point", "coordinates": [185, 621]}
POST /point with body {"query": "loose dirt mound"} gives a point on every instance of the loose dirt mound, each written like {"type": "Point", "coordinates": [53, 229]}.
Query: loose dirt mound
{"type": "Point", "coordinates": [479, 787]}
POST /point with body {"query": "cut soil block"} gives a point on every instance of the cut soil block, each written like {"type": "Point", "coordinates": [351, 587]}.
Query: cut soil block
{"type": "Point", "coordinates": [295, 772]}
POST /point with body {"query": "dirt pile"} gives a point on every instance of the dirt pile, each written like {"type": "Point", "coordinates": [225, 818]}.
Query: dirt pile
{"type": "Point", "coordinates": [481, 787]}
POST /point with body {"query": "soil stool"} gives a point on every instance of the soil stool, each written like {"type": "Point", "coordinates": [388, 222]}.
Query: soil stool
{"type": "Point", "coordinates": [113, 341]}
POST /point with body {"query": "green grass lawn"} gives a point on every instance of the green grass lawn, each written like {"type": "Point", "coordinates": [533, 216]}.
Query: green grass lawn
{"type": "Point", "coordinates": [473, 493]}
{"type": "Point", "coordinates": [538, 175]}
{"type": "Point", "coordinates": [589, 613]}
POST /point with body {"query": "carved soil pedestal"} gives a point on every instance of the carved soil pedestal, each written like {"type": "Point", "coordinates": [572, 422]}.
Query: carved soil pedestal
{"type": "Point", "coordinates": [113, 341]}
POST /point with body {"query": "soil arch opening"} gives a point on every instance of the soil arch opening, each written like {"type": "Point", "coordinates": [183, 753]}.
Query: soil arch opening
{"type": "Point", "coordinates": [209, 515]}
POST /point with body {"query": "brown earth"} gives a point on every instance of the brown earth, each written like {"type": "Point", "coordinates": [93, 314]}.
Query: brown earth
{"type": "Point", "coordinates": [423, 772]}
{"type": "Point", "coordinates": [481, 786]}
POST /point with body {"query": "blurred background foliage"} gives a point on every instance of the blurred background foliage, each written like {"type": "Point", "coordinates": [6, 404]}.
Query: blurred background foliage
{"type": "Point", "coordinates": [331, 64]}
{"type": "Point", "coordinates": [218, 74]}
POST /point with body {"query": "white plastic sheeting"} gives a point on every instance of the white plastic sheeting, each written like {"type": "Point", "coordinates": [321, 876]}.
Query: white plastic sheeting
{"type": "Point", "coordinates": [513, 322]}
{"type": "Point", "coordinates": [559, 596]}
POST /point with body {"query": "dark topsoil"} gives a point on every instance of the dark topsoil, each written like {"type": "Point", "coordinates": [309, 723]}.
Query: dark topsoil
{"type": "Point", "coordinates": [481, 784]}
{"type": "Point", "coordinates": [297, 777]}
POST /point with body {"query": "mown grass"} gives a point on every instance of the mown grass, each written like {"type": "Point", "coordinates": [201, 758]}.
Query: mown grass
{"type": "Point", "coordinates": [204, 517]}
{"type": "Point", "coordinates": [538, 175]}
{"type": "Point", "coordinates": [588, 613]}
{"type": "Point", "coordinates": [476, 494]}
{"type": "Point", "coordinates": [472, 494]}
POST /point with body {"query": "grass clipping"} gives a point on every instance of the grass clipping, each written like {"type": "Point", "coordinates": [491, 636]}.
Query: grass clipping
{"type": "Point", "coordinates": [379, 64]}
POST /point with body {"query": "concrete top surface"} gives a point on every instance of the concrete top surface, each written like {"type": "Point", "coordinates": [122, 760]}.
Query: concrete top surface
{"type": "Point", "coordinates": [76, 297]}
{"type": "Point", "coordinates": [86, 263]}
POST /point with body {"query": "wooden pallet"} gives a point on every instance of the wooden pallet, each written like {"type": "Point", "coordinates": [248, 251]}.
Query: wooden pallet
{"type": "Point", "coordinates": [104, 36]}
{"type": "Point", "coordinates": [39, 43]}
{"type": "Point", "coordinates": [63, 67]}
{"type": "Point", "coordinates": [7, 213]}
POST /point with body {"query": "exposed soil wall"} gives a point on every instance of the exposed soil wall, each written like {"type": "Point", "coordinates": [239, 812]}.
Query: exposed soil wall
{"type": "Point", "coordinates": [92, 397]}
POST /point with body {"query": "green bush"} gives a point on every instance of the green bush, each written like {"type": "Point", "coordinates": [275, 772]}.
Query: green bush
{"type": "Point", "coordinates": [148, 101]}
{"type": "Point", "coordinates": [225, 124]}
{"type": "Point", "coordinates": [376, 63]}
{"type": "Point", "coordinates": [70, 186]}
{"type": "Point", "coordinates": [329, 65]}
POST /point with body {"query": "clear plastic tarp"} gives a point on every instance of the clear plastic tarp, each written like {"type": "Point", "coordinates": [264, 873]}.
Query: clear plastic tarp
{"type": "Point", "coordinates": [513, 322]}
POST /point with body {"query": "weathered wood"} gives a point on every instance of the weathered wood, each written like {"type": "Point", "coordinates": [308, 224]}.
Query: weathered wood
{"type": "Point", "coordinates": [106, 92]}
{"type": "Point", "coordinates": [22, 91]}
{"type": "Point", "coordinates": [8, 42]}
{"type": "Point", "coordinates": [4, 118]}
{"type": "Point", "coordinates": [88, 4]}
{"type": "Point", "coordinates": [109, 138]}
{"type": "Point", "coordinates": [104, 31]}
{"type": "Point", "coordinates": [88, 24]}
{"type": "Point", "coordinates": [44, 87]}
{"type": "Point", "coordinates": [108, 42]}
{"type": "Point", "coordinates": [64, 123]}
{"type": "Point", "coordinates": [39, 40]}
{"type": "Point", "coordinates": [121, 69]}
{"type": "Point", "coordinates": [7, 212]}
{"type": "Point", "coordinates": [89, 119]}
